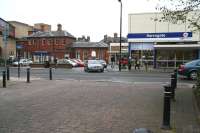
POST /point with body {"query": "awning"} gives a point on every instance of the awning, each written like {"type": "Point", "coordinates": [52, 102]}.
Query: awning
{"type": "Point", "coordinates": [141, 46]}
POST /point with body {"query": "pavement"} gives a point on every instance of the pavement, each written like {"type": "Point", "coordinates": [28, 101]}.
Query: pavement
{"type": "Point", "coordinates": [142, 69]}
{"type": "Point", "coordinates": [78, 106]}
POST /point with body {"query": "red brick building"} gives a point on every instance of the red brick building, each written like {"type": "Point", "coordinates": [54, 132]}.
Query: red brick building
{"type": "Point", "coordinates": [43, 46]}
{"type": "Point", "coordinates": [85, 50]}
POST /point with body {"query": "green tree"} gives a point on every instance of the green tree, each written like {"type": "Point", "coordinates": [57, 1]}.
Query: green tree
{"type": "Point", "coordinates": [177, 11]}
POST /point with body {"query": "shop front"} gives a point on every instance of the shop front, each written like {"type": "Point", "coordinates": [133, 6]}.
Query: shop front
{"type": "Point", "coordinates": [165, 50]}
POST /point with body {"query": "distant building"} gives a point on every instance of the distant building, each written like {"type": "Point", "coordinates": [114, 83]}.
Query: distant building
{"type": "Point", "coordinates": [114, 46]}
{"type": "Point", "coordinates": [48, 45]}
{"type": "Point", "coordinates": [42, 27]}
{"type": "Point", "coordinates": [21, 30]}
{"type": "Point", "coordinates": [85, 50]}
{"type": "Point", "coordinates": [114, 50]}
{"type": "Point", "coordinates": [164, 44]}
{"type": "Point", "coordinates": [115, 39]}
{"type": "Point", "coordinates": [8, 50]}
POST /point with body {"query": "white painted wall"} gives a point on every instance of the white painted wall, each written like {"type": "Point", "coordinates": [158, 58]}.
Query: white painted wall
{"type": "Point", "coordinates": [149, 23]}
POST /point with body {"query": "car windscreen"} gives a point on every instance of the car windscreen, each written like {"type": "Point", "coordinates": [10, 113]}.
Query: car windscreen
{"type": "Point", "coordinates": [192, 63]}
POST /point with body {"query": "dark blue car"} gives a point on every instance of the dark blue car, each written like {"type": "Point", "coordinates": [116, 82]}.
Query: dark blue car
{"type": "Point", "coordinates": [190, 69]}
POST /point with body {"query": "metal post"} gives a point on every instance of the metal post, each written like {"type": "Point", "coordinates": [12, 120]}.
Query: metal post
{"type": "Point", "coordinates": [8, 73]}
{"type": "Point", "coordinates": [4, 79]}
{"type": "Point", "coordinates": [50, 73]}
{"type": "Point", "coordinates": [166, 108]}
{"type": "Point", "coordinates": [120, 46]}
{"type": "Point", "coordinates": [18, 65]}
{"type": "Point", "coordinates": [28, 75]}
{"type": "Point", "coordinates": [173, 86]}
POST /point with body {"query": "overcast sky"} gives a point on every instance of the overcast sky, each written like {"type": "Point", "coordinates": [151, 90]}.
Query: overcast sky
{"type": "Point", "coordinates": [93, 18]}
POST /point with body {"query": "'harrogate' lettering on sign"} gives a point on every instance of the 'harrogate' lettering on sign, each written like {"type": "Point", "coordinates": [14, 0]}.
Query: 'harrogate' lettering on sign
{"type": "Point", "coordinates": [156, 36]}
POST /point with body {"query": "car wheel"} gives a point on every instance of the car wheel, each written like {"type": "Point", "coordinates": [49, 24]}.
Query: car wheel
{"type": "Point", "coordinates": [193, 75]}
{"type": "Point", "coordinates": [102, 70]}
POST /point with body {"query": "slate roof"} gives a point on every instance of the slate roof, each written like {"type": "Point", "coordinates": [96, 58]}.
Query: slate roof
{"type": "Point", "coordinates": [89, 45]}
{"type": "Point", "coordinates": [109, 40]}
{"type": "Point", "coordinates": [51, 34]}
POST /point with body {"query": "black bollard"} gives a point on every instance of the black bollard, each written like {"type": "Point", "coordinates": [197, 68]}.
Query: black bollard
{"type": "Point", "coordinates": [4, 79]}
{"type": "Point", "coordinates": [173, 86]}
{"type": "Point", "coordinates": [18, 70]}
{"type": "Point", "coordinates": [166, 108]}
{"type": "Point", "coordinates": [50, 73]}
{"type": "Point", "coordinates": [28, 75]}
{"type": "Point", "coordinates": [176, 75]}
{"type": "Point", "coordinates": [8, 73]}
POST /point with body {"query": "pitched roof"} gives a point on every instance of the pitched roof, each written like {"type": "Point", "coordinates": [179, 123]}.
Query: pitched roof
{"type": "Point", "coordinates": [51, 34]}
{"type": "Point", "coordinates": [114, 40]}
{"type": "Point", "coordinates": [89, 45]}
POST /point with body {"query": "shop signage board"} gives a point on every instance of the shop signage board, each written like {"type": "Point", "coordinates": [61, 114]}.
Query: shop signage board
{"type": "Point", "coordinates": [162, 36]}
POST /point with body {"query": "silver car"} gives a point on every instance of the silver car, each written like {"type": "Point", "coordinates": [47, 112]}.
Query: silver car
{"type": "Point", "coordinates": [94, 66]}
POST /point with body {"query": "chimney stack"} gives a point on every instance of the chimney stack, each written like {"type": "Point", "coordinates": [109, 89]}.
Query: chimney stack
{"type": "Point", "coordinates": [105, 37]}
{"type": "Point", "coordinates": [88, 38]}
{"type": "Point", "coordinates": [59, 27]}
{"type": "Point", "coordinates": [115, 35]}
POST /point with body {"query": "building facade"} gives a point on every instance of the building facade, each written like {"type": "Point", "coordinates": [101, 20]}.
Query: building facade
{"type": "Point", "coordinates": [114, 50]}
{"type": "Point", "coordinates": [42, 46]}
{"type": "Point", "coordinates": [88, 50]}
{"type": "Point", "coordinates": [163, 44]}
{"type": "Point", "coordinates": [114, 46]}
{"type": "Point", "coordinates": [7, 40]}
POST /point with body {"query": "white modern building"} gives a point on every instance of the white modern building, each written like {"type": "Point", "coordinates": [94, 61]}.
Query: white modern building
{"type": "Point", "coordinates": [163, 44]}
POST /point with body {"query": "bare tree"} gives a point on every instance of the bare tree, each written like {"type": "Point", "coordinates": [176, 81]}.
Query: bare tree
{"type": "Point", "coordinates": [181, 11]}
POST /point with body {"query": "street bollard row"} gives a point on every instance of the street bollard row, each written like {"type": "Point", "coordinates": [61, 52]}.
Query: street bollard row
{"type": "Point", "coordinates": [28, 75]}
{"type": "Point", "coordinates": [169, 94]}
{"type": "Point", "coordinates": [4, 79]}
{"type": "Point", "coordinates": [6, 75]}
{"type": "Point", "coordinates": [166, 107]}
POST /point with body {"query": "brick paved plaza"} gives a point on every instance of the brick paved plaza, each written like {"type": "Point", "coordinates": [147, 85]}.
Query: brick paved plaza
{"type": "Point", "coordinates": [73, 106]}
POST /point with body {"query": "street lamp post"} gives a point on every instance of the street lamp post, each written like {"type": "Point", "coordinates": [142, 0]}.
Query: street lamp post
{"type": "Point", "coordinates": [120, 45]}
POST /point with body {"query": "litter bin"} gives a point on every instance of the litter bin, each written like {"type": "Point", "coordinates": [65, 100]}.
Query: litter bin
{"type": "Point", "coordinates": [142, 130]}
{"type": "Point", "coordinates": [46, 64]}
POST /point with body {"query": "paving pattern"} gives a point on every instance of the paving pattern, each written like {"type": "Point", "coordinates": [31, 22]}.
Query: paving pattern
{"type": "Point", "coordinates": [78, 106]}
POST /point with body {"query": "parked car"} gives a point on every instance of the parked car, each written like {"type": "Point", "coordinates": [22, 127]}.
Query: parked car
{"type": "Point", "coordinates": [69, 61]}
{"type": "Point", "coordinates": [93, 65]}
{"type": "Point", "coordinates": [23, 62]}
{"type": "Point", "coordinates": [189, 69]}
{"type": "Point", "coordinates": [103, 62]}
{"type": "Point", "coordinates": [78, 62]}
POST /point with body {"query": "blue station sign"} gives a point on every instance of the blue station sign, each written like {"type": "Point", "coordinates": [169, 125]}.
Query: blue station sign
{"type": "Point", "coordinates": [160, 36]}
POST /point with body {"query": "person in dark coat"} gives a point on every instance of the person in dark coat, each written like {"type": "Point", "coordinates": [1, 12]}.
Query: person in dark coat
{"type": "Point", "coordinates": [137, 64]}
{"type": "Point", "coordinates": [112, 62]}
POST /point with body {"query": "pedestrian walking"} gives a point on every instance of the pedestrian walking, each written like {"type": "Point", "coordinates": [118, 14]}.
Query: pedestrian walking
{"type": "Point", "coordinates": [137, 64]}
{"type": "Point", "coordinates": [112, 62]}
{"type": "Point", "coordinates": [129, 63]}
{"type": "Point", "coordinates": [55, 62]}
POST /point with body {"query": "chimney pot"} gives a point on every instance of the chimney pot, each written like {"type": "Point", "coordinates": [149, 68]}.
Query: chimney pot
{"type": "Point", "coordinates": [59, 27]}
{"type": "Point", "coordinates": [115, 35]}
